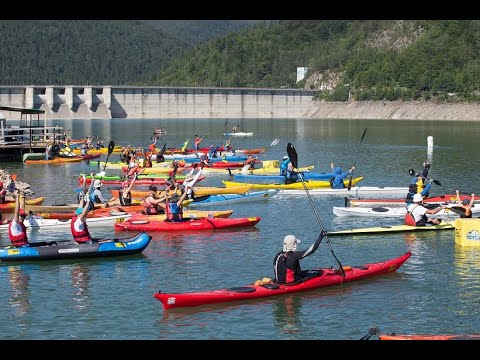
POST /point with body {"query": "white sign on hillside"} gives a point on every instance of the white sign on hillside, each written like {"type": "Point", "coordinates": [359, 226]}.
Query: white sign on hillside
{"type": "Point", "coordinates": [301, 72]}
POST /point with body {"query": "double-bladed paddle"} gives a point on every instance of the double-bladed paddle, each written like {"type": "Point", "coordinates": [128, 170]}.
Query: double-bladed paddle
{"type": "Point", "coordinates": [292, 154]}
{"type": "Point", "coordinates": [358, 152]}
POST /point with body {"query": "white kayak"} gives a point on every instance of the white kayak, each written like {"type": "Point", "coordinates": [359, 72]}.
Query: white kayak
{"type": "Point", "coordinates": [239, 133]}
{"type": "Point", "coordinates": [354, 191]}
{"type": "Point", "coordinates": [385, 211]}
{"type": "Point", "coordinates": [37, 222]}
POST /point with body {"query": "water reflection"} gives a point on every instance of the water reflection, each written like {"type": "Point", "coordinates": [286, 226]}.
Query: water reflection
{"type": "Point", "coordinates": [19, 283]}
{"type": "Point", "coordinates": [286, 314]}
{"type": "Point", "coordinates": [467, 264]}
{"type": "Point", "coordinates": [80, 280]}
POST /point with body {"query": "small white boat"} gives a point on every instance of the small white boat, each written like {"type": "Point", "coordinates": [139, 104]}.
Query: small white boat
{"type": "Point", "coordinates": [354, 191]}
{"type": "Point", "coordinates": [37, 222]}
{"type": "Point", "coordinates": [239, 133]}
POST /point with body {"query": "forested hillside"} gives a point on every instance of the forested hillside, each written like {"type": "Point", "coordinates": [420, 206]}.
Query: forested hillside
{"type": "Point", "coordinates": [198, 31]}
{"type": "Point", "coordinates": [346, 59]}
{"type": "Point", "coordinates": [79, 52]}
{"type": "Point", "coordinates": [362, 59]}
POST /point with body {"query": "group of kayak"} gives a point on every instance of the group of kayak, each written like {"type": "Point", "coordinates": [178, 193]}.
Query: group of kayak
{"type": "Point", "coordinates": [131, 218]}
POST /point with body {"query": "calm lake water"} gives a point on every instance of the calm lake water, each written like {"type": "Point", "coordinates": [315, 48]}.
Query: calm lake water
{"type": "Point", "coordinates": [436, 291]}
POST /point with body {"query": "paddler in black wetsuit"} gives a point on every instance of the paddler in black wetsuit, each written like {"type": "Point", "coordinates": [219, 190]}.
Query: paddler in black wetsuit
{"type": "Point", "coordinates": [286, 264]}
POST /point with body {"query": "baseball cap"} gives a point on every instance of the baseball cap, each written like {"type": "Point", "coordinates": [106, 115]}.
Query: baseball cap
{"type": "Point", "coordinates": [290, 243]}
{"type": "Point", "coordinates": [78, 211]}
{"type": "Point", "coordinates": [97, 184]}
{"type": "Point", "coordinates": [22, 212]}
{"type": "Point", "coordinates": [285, 157]}
{"type": "Point", "coordinates": [417, 198]}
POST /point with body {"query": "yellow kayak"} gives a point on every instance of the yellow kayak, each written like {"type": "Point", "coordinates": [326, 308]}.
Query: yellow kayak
{"type": "Point", "coordinates": [311, 184]}
{"type": "Point", "coordinates": [199, 191]}
{"type": "Point", "coordinates": [90, 152]}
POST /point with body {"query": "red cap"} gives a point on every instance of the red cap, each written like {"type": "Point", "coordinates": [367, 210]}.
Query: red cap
{"type": "Point", "coordinates": [22, 212]}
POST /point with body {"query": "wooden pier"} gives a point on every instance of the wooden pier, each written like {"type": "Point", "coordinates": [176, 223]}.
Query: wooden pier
{"type": "Point", "coordinates": [31, 135]}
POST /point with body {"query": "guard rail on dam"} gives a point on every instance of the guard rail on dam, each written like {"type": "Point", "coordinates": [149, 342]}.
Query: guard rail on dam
{"type": "Point", "coordinates": [106, 102]}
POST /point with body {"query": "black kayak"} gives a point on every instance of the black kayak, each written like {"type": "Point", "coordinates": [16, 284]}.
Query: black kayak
{"type": "Point", "coordinates": [70, 250]}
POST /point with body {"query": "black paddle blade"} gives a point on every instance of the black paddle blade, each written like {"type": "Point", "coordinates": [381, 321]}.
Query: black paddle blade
{"type": "Point", "coordinates": [436, 182]}
{"type": "Point", "coordinates": [292, 154]}
{"type": "Point", "coordinates": [364, 133]}
{"type": "Point", "coordinates": [164, 148]}
{"type": "Point", "coordinates": [350, 182]}
{"type": "Point", "coordinates": [111, 145]}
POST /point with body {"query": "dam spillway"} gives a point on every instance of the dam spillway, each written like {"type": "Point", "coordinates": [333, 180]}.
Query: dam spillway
{"type": "Point", "coordinates": [106, 102]}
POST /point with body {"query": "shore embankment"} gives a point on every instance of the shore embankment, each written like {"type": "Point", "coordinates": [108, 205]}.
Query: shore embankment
{"type": "Point", "coordinates": [394, 110]}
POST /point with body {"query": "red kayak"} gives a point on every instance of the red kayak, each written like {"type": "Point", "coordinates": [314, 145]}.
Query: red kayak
{"type": "Point", "coordinates": [442, 199]}
{"type": "Point", "coordinates": [317, 278]}
{"type": "Point", "coordinates": [145, 181]}
{"type": "Point", "coordinates": [188, 225]}
{"type": "Point", "coordinates": [90, 156]}
{"type": "Point", "coordinates": [374, 331]}
{"type": "Point", "coordinates": [428, 337]}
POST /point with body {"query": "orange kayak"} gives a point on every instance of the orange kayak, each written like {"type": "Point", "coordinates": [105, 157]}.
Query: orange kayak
{"type": "Point", "coordinates": [58, 160]}
{"type": "Point", "coordinates": [9, 206]}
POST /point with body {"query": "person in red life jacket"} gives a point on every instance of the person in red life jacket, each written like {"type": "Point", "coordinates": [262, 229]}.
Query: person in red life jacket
{"type": "Point", "coordinates": [174, 208]}
{"type": "Point", "coordinates": [125, 195]}
{"type": "Point", "coordinates": [152, 204]}
{"type": "Point", "coordinates": [147, 163]}
{"type": "Point", "coordinates": [16, 229]}
{"type": "Point", "coordinates": [286, 264]}
{"type": "Point", "coordinates": [465, 205]}
{"type": "Point", "coordinates": [417, 213]}
{"type": "Point", "coordinates": [153, 146]}
{"type": "Point", "coordinates": [78, 224]}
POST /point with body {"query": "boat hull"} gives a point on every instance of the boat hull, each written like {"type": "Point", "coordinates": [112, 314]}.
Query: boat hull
{"type": "Point", "coordinates": [69, 250]}
{"type": "Point", "coordinates": [321, 278]}
{"type": "Point", "coordinates": [189, 225]}
{"type": "Point", "coordinates": [393, 229]}
{"type": "Point", "coordinates": [442, 199]}
{"type": "Point", "coordinates": [354, 191]}
{"type": "Point", "coordinates": [310, 184]}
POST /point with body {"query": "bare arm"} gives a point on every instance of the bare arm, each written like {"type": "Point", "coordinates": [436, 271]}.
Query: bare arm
{"type": "Point", "coordinates": [16, 214]}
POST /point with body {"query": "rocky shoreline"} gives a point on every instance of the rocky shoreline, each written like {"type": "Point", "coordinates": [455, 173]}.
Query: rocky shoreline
{"type": "Point", "coordinates": [394, 110]}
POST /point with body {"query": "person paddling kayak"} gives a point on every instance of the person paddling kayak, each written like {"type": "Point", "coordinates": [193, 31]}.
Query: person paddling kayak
{"type": "Point", "coordinates": [416, 213]}
{"type": "Point", "coordinates": [286, 264]}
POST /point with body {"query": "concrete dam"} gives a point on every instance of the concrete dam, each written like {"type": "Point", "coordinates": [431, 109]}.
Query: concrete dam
{"type": "Point", "coordinates": [106, 102]}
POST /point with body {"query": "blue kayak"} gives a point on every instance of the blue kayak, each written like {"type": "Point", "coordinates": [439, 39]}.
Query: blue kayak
{"type": "Point", "coordinates": [222, 199]}
{"type": "Point", "coordinates": [260, 179]}
{"type": "Point", "coordinates": [67, 249]}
